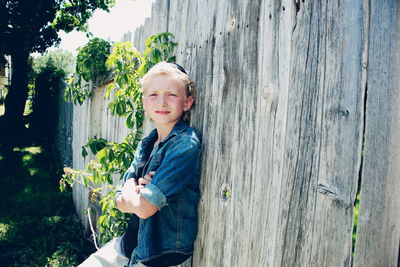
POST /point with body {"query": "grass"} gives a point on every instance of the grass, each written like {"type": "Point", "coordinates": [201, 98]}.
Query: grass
{"type": "Point", "coordinates": [38, 225]}
{"type": "Point", "coordinates": [355, 224]}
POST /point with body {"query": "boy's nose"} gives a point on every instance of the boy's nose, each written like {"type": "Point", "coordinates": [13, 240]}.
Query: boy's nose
{"type": "Point", "coordinates": [162, 100]}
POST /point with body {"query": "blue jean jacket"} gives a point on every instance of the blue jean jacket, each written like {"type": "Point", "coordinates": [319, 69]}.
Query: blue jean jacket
{"type": "Point", "coordinates": [174, 190]}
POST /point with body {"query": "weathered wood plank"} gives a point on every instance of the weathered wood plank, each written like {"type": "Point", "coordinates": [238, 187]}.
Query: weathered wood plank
{"type": "Point", "coordinates": [277, 21]}
{"type": "Point", "coordinates": [378, 232]}
{"type": "Point", "coordinates": [323, 136]}
{"type": "Point", "coordinates": [227, 113]}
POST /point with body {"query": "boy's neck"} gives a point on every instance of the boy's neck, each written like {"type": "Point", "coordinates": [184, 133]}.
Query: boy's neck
{"type": "Point", "coordinates": [163, 131]}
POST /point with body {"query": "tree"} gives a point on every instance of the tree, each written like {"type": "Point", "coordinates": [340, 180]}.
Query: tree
{"type": "Point", "coordinates": [49, 71]}
{"type": "Point", "coordinates": [33, 26]}
{"type": "Point", "coordinates": [61, 59]}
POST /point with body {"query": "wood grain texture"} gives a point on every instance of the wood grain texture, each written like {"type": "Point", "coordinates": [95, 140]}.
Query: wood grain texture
{"type": "Point", "coordinates": [323, 136]}
{"type": "Point", "coordinates": [378, 234]}
{"type": "Point", "coordinates": [281, 108]}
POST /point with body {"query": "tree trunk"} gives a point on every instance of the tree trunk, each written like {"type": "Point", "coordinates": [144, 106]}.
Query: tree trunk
{"type": "Point", "coordinates": [18, 93]}
{"type": "Point", "coordinates": [13, 121]}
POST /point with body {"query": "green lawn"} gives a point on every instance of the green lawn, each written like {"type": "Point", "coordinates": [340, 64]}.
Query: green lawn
{"type": "Point", "coordinates": [38, 225]}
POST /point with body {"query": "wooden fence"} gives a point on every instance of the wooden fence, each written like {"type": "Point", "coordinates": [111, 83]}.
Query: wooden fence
{"type": "Point", "coordinates": [298, 108]}
{"type": "Point", "coordinates": [89, 120]}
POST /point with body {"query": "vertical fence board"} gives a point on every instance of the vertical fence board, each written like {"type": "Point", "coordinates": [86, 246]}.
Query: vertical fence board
{"type": "Point", "coordinates": [231, 56]}
{"type": "Point", "coordinates": [277, 20]}
{"type": "Point", "coordinates": [378, 233]}
{"type": "Point", "coordinates": [323, 136]}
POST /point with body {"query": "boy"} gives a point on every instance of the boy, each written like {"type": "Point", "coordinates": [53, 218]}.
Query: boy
{"type": "Point", "coordinates": [161, 188]}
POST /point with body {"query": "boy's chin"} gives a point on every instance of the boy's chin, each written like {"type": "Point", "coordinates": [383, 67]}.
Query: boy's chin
{"type": "Point", "coordinates": [166, 122]}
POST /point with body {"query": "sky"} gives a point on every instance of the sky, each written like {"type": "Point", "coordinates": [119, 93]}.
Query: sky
{"type": "Point", "coordinates": [125, 16]}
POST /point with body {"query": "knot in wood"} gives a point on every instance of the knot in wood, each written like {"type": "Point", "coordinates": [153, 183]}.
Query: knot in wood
{"type": "Point", "coordinates": [225, 193]}
{"type": "Point", "coordinates": [344, 112]}
{"type": "Point", "coordinates": [339, 111]}
{"type": "Point", "coordinates": [328, 191]}
{"type": "Point", "coordinates": [232, 24]}
{"type": "Point", "coordinates": [333, 193]}
{"type": "Point", "coordinates": [267, 92]}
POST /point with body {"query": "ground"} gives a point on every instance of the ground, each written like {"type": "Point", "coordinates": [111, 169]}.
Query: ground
{"type": "Point", "coordinates": [38, 224]}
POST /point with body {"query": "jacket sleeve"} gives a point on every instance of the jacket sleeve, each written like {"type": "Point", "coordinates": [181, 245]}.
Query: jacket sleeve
{"type": "Point", "coordinates": [180, 165]}
{"type": "Point", "coordinates": [131, 171]}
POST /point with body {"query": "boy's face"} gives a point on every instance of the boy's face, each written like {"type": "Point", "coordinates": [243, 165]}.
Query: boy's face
{"type": "Point", "coordinates": [164, 100]}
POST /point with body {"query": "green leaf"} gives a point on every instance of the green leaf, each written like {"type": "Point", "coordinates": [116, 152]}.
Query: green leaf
{"type": "Point", "coordinates": [109, 178]}
{"type": "Point", "coordinates": [129, 122]}
{"type": "Point", "coordinates": [84, 152]}
{"type": "Point", "coordinates": [96, 144]}
{"type": "Point", "coordinates": [121, 108]}
{"type": "Point", "coordinates": [111, 155]}
{"type": "Point", "coordinates": [171, 59]}
{"type": "Point", "coordinates": [155, 55]}
{"type": "Point", "coordinates": [85, 181]}
{"type": "Point", "coordinates": [102, 156]}
{"type": "Point", "coordinates": [102, 219]}
{"type": "Point", "coordinates": [96, 177]}
{"type": "Point", "coordinates": [62, 185]}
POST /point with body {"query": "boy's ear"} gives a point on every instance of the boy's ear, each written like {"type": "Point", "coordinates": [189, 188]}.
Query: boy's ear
{"type": "Point", "coordinates": [144, 103]}
{"type": "Point", "coordinates": [189, 103]}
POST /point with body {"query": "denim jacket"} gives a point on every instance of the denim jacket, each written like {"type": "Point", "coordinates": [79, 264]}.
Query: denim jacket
{"type": "Point", "coordinates": [174, 190]}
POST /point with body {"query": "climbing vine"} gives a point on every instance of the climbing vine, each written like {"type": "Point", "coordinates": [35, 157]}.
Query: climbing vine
{"type": "Point", "coordinates": [127, 66]}
{"type": "Point", "coordinates": [90, 71]}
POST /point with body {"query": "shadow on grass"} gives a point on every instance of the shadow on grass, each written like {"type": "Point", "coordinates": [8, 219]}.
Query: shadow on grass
{"type": "Point", "coordinates": [38, 225]}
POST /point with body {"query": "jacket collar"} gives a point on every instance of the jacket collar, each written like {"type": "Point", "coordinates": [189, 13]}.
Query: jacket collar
{"type": "Point", "coordinates": [179, 127]}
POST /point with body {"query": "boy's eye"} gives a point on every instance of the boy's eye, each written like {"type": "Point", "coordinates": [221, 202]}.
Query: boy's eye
{"type": "Point", "coordinates": [172, 94]}
{"type": "Point", "coordinates": [153, 94]}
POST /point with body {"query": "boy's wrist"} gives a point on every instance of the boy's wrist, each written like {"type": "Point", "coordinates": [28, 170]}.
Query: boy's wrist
{"type": "Point", "coordinates": [154, 195]}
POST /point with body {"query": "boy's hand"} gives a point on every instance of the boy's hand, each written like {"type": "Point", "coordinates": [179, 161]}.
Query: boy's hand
{"type": "Point", "coordinates": [144, 180]}
{"type": "Point", "coordinates": [129, 201]}
{"type": "Point", "coordinates": [128, 187]}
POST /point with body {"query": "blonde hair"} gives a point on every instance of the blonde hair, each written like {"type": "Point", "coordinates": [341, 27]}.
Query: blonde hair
{"type": "Point", "coordinates": [166, 68]}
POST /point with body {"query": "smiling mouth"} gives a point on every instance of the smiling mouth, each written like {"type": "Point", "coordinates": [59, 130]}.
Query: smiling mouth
{"type": "Point", "coordinates": [162, 112]}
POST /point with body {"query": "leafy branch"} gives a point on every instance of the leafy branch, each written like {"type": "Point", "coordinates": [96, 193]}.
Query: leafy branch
{"type": "Point", "coordinates": [90, 71]}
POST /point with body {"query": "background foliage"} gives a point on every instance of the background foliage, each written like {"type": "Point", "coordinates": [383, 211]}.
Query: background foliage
{"type": "Point", "coordinates": [90, 71]}
{"type": "Point", "coordinates": [49, 71]}
{"type": "Point", "coordinates": [61, 60]}
{"type": "Point", "coordinates": [90, 62]}
{"type": "Point", "coordinates": [33, 26]}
